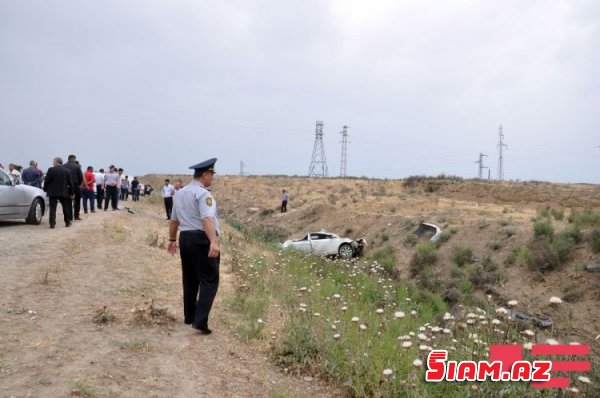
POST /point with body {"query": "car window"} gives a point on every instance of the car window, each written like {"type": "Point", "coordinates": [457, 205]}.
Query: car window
{"type": "Point", "coordinates": [305, 238]}
{"type": "Point", "coordinates": [4, 178]}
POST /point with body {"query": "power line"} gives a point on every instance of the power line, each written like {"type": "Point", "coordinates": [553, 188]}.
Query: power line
{"type": "Point", "coordinates": [501, 146]}
{"type": "Point", "coordinates": [344, 165]}
{"type": "Point", "coordinates": [481, 166]}
{"type": "Point", "coordinates": [318, 163]}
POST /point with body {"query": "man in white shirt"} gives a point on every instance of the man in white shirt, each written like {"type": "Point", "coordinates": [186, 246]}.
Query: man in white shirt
{"type": "Point", "coordinates": [167, 191]}
{"type": "Point", "coordinates": [99, 187]}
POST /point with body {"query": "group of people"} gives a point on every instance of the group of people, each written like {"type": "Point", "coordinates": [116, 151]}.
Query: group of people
{"type": "Point", "coordinates": [67, 184]}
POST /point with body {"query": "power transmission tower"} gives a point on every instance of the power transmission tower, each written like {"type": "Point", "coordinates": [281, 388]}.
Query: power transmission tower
{"type": "Point", "coordinates": [242, 164]}
{"type": "Point", "coordinates": [318, 163]}
{"type": "Point", "coordinates": [481, 166]}
{"type": "Point", "coordinates": [501, 146]}
{"type": "Point", "coordinates": [343, 165]}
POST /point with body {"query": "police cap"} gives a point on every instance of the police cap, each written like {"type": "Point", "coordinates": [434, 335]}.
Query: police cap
{"type": "Point", "coordinates": [207, 165]}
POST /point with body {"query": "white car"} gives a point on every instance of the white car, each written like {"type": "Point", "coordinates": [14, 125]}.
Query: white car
{"type": "Point", "coordinates": [325, 243]}
{"type": "Point", "coordinates": [20, 201]}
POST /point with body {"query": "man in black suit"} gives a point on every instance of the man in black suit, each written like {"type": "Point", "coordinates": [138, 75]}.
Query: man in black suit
{"type": "Point", "coordinates": [77, 177]}
{"type": "Point", "coordinates": [58, 184]}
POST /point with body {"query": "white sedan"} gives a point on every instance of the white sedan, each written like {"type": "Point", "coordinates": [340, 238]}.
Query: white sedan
{"type": "Point", "coordinates": [325, 243]}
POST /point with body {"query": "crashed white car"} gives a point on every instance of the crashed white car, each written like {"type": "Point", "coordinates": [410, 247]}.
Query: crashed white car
{"type": "Point", "coordinates": [325, 243]}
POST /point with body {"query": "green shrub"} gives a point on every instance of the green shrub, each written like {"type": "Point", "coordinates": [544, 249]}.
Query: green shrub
{"type": "Point", "coordinates": [543, 213]}
{"type": "Point", "coordinates": [495, 245]}
{"type": "Point", "coordinates": [443, 238]}
{"type": "Point", "coordinates": [586, 218]}
{"type": "Point", "coordinates": [558, 214]}
{"type": "Point", "coordinates": [266, 212]}
{"type": "Point", "coordinates": [574, 233]}
{"type": "Point", "coordinates": [425, 255]}
{"type": "Point", "coordinates": [512, 255]}
{"type": "Point", "coordinates": [543, 257]}
{"type": "Point", "coordinates": [384, 256]}
{"type": "Point", "coordinates": [410, 239]}
{"type": "Point", "coordinates": [462, 255]}
{"type": "Point", "coordinates": [525, 256]}
{"type": "Point", "coordinates": [510, 231]}
{"type": "Point", "coordinates": [543, 228]}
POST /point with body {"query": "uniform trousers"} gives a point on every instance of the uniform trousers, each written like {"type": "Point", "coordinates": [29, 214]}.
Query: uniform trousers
{"type": "Point", "coordinates": [99, 195]}
{"type": "Point", "coordinates": [112, 195]}
{"type": "Point", "coordinates": [76, 202]}
{"type": "Point", "coordinates": [200, 277]}
{"type": "Point", "coordinates": [168, 206]}
{"type": "Point", "coordinates": [66, 208]}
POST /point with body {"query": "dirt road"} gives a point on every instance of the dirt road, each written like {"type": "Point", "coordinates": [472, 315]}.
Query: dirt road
{"type": "Point", "coordinates": [58, 340]}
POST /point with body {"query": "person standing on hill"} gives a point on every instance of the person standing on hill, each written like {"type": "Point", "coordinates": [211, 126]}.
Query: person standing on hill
{"type": "Point", "coordinates": [77, 177]}
{"type": "Point", "coordinates": [284, 200]}
{"type": "Point", "coordinates": [59, 186]}
{"type": "Point", "coordinates": [195, 214]}
{"type": "Point", "coordinates": [167, 191]}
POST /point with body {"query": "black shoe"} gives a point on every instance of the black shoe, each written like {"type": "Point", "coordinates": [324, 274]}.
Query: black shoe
{"type": "Point", "coordinates": [52, 226]}
{"type": "Point", "coordinates": [68, 224]}
{"type": "Point", "coordinates": [85, 212]}
{"type": "Point", "coordinates": [203, 329]}
{"type": "Point", "coordinates": [78, 218]}
{"type": "Point", "coordinates": [93, 211]}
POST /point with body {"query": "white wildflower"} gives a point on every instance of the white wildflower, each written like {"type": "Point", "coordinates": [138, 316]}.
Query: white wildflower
{"type": "Point", "coordinates": [529, 333]}
{"type": "Point", "coordinates": [417, 363]}
{"type": "Point", "coordinates": [398, 314]}
{"type": "Point", "coordinates": [379, 310]}
{"type": "Point", "coordinates": [355, 319]}
{"type": "Point", "coordinates": [387, 372]}
{"type": "Point", "coordinates": [363, 326]}
{"type": "Point", "coordinates": [512, 303]}
{"type": "Point", "coordinates": [336, 336]}
{"type": "Point", "coordinates": [551, 342]}
{"type": "Point", "coordinates": [406, 344]}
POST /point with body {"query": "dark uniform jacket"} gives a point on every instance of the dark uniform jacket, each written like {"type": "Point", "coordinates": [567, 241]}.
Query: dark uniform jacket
{"type": "Point", "coordinates": [58, 182]}
{"type": "Point", "coordinates": [76, 173]}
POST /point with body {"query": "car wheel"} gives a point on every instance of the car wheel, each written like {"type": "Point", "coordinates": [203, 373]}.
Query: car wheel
{"type": "Point", "coordinates": [35, 212]}
{"type": "Point", "coordinates": [345, 251]}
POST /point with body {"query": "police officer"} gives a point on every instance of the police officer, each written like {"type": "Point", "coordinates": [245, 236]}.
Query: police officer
{"type": "Point", "coordinates": [195, 214]}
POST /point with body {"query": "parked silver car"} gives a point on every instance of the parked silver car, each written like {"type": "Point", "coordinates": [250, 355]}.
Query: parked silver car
{"type": "Point", "coordinates": [19, 201]}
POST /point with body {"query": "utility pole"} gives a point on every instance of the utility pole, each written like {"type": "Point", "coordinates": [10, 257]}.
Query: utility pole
{"type": "Point", "coordinates": [242, 168]}
{"type": "Point", "coordinates": [501, 146]}
{"type": "Point", "coordinates": [318, 163]}
{"type": "Point", "coordinates": [343, 165]}
{"type": "Point", "coordinates": [481, 166]}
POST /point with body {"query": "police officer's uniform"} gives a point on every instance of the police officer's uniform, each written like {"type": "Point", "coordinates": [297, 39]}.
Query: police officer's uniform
{"type": "Point", "coordinates": [191, 204]}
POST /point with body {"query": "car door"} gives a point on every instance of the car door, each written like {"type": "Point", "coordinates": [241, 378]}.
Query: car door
{"type": "Point", "coordinates": [303, 244]}
{"type": "Point", "coordinates": [321, 243]}
{"type": "Point", "coordinates": [11, 198]}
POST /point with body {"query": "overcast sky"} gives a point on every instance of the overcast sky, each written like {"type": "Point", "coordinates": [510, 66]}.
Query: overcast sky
{"type": "Point", "coordinates": [156, 86]}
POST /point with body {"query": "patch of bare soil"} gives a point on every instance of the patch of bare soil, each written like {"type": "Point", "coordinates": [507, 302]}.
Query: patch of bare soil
{"type": "Point", "coordinates": [95, 310]}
